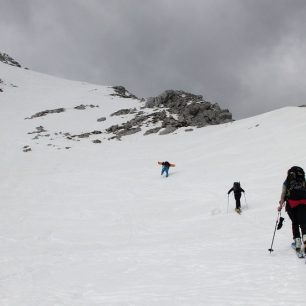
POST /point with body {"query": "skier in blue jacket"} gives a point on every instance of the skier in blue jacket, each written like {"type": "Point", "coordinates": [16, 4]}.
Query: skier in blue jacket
{"type": "Point", "coordinates": [165, 168]}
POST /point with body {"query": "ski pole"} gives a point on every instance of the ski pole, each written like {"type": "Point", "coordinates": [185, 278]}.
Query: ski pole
{"type": "Point", "coordinates": [246, 203]}
{"type": "Point", "coordinates": [278, 216]}
{"type": "Point", "coordinates": [227, 202]}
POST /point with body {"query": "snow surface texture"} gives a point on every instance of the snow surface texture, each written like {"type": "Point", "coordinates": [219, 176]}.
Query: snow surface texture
{"type": "Point", "coordinates": [99, 225]}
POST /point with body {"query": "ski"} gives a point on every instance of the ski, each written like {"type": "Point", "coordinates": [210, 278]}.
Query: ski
{"type": "Point", "coordinates": [300, 253]}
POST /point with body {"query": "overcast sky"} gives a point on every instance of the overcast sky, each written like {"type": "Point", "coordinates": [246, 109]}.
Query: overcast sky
{"type": "Point", "coordinates": [247, 55]}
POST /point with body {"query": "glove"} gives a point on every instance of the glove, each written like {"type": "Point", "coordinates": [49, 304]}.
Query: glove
{"type": "Point", "coordinates": [280, 223]}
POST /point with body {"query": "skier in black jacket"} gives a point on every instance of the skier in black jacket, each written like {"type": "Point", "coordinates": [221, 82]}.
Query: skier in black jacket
{"type": "Point", "coordinates": [237, 194]}
{"type": "Point", "coordinates": [294, 198]}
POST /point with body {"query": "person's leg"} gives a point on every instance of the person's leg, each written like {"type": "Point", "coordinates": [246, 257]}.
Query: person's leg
{"type": "Point", "coordinates": [167, 172]}
{"type": "Point", "coordinates": [237, 198]}
{"type": "Point", "coordinates": [163, 170]}
{"type": "Point", "coordinates": [294, 222]}
{"type": "Point", "coordinates": [301, 216]}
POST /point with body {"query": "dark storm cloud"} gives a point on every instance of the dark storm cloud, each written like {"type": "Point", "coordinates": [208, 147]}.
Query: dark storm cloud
{"type": "Point", "coordinates": [248, 55]}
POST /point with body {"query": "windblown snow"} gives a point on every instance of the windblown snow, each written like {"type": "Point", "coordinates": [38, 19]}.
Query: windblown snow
{"type": "Point", "coordinates": [85, 223]}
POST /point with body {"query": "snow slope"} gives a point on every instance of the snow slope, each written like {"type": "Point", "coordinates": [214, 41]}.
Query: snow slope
{"type": "Point", "coordinates": [98, 225]}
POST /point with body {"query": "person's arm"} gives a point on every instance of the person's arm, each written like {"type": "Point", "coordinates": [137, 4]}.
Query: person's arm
{"type": "Point", "coordinates": [230, 190]}
{"type": "Point", "coordinates": [241, 189]}
{"type": "Point", "coordinates": [282, 198]}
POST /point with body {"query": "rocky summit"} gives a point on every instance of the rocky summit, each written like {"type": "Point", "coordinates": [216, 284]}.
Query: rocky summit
{"type": "Point", "coordinates": [171, 110]}
{"type": "Point", "coordinates": [190, 109]}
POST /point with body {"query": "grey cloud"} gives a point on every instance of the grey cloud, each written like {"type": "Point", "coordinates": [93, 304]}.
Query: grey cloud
{"type": "Point", "coordinates": [232, 52]}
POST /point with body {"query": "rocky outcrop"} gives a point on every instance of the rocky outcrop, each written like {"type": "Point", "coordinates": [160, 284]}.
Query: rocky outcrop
{"type": "Point", "coordinates": [46, 112]}
{"type": "Point", "coordinates": [134, 125]}
{"type": "Point", "coordinates": [190, 109]}
{"type": "Point", "coordinates": [6, 59]}
{"type": "Point", "coordinates": [122, 92]}
{"type": "Point", "coordinates": [26, 149]}
{"type": "Point", "coordinates": [97, 141]}
{"type": "Point", "coordinates": [60, 110]}
{"type": "Point", "coordinates": [86, 135]}
{"type": "Point", "coordinates": [83, 107]}
{"type": "Point", "coordinates": [38, 130]}
{"type": "Point", "coordinates": [124, 111]}
{"type": "Point", "coordinates": [172, 110]}
{"type": "Point", "coordinates": [101, 119]}
{"type": "Point", "coordinates": [152, 131]}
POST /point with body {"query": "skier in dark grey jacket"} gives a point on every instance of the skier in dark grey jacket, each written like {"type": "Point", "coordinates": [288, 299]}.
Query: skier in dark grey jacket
{"type": "Point", "coordinates": [237, 194]}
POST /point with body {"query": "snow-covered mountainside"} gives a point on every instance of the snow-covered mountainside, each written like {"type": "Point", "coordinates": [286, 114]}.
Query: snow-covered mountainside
{"type": "Point", "coordinates": [62, 112]}
{"type": "Point", "coordinates": [90, 223]}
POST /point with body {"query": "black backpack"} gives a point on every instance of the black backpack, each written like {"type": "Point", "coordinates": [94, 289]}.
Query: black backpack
{"type": "Point", "coordinates": [166, 164]}
{"type": "Point", "coordinates": [236, 186]}
{"type": "Point", "coordinates": [295, 182]}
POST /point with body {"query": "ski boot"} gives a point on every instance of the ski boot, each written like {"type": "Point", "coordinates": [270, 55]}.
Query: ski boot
{"type": "Point", "coordinates": [304, 240]}
{"type": "Point", "coordinates": [298, 245]}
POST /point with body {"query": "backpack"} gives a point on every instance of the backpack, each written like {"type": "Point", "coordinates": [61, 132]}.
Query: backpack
{"type": "Point", "coordinates": [236, 186]}
{"type": "Point", "coordinates": [296, 186]}
{"type": "Point", "coordinates": [166, 164]}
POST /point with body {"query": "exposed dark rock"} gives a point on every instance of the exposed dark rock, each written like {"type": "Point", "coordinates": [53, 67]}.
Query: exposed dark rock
{"type": "Point", "coordinates": [225, 115]}
{"type": "Point", "coordinates": [130, 131]}
{"type": "Point", "coordinates": [121, 91]}
{"type": "Point", "coordinates": [191, 109]}
{"type": "Point", "coordinates": [113, 128]}
{"type": "Point", "coordinates": [83, 107]}
{"type": "Point", "coordinates": [96, 141]}
{"type": "Point", "coordinates": [80, 107]}
{"type": "Point", "coordinates": [85, 135]}
{"type": "Point", "coordinates": [101, 119]}
{"type": "Point", "coordinates": [46, 112]}
{"type": "Point", "coordinates": [114, 137]}
{"type": "Point", "coordinates": [26, 149]}
{"type": "Point", "coordinates": [124, 111]}
{"type": "Point", "coordinates": [173, 99]}
{"type": "Point", "coordinates": [6, 59]}
{"type": "Point", "coordinates": [152, 131]}
{"type": "Point", "coordinates": [167, 130]}
{"type": "Point", "coordinates": [39, 129]}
